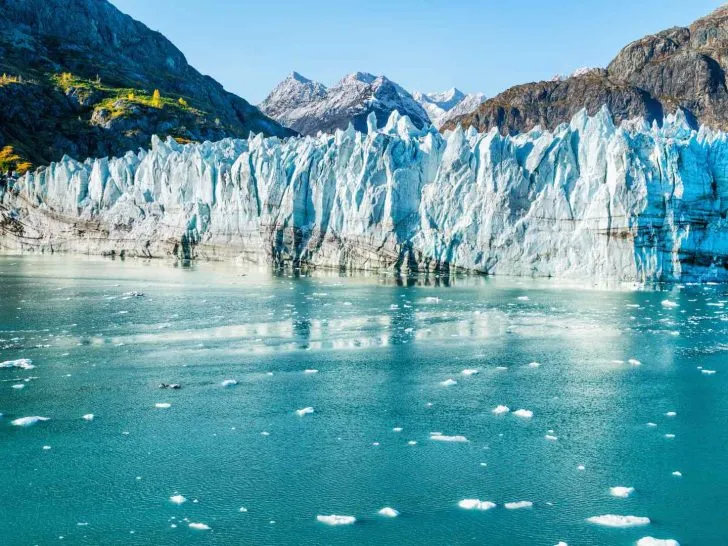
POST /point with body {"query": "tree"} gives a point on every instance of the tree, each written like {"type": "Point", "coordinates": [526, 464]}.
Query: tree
{"type": "Point", "coordinates": [156, 99]}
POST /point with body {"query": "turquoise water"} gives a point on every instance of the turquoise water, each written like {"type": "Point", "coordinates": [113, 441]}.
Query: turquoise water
{"type": "Point", "coordinates": [382, 350]}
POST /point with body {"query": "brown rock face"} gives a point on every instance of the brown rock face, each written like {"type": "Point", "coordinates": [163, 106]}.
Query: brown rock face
{"type": "Point", "coordinates": [676, 68]}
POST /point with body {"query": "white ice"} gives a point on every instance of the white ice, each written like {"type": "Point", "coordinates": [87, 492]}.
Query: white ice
{"type": "Point", "coordinates": [518, 505]}
{"type": "Point", "coordinates": [304, 411]}
{"type": "Point", "coordinates": [476, 504]}
{"type": "Point", "coordinates": [336, 520]}
{"type": "Point", "coordinates": [621, 491]}
{"type": "Point", "coordinates": [28, 421]}
{"type": "Point", "coordinates": [612, 520]}
{"type": "Point", "coordinates": [523, 413]}
{"type": "Point", "coordinates": [388, 512]}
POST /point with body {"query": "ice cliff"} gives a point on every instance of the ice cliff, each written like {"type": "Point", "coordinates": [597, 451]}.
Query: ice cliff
{"type": "Point", "coordinates": [589, 200]}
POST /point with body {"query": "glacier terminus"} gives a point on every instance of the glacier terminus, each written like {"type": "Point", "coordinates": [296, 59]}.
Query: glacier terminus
{"type": "Point", "coordinates": [590, 200]}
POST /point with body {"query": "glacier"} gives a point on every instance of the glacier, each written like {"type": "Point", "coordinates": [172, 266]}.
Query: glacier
{"type": "Point", "coordinates": [590, 200]}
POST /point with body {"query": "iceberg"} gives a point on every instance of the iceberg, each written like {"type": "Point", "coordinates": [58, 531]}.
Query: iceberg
{"type": "Point", "coordinates": [336, 520]}
{"type": "Point", "coordinates": [28, 421]}
{"type": "Point", "coordinates": [589, 200]}
{"type": "Point", "coordinates": [612, 520]}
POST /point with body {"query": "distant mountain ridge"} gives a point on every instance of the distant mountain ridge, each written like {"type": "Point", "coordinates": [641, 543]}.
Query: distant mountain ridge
{"type": "Point", "coordinates": [651, 77]}
{"type": "Point", "coordinates": [309, 107]}
{"type": "Point", "coordinates": [79, 80]}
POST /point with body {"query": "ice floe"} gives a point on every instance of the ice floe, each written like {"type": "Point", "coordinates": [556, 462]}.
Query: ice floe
{"type": "Point", "coordinates": [651, 541]}
{"type": "Point", "coordinates": [438, 437]}
{"type": "Point", "coordinates": [634, 362]}
{"type": "Point", "coordinates": [310, 371]}
{"type": "Point", "coordinates": [448, 383]}
{"type": "Point", "coordinates": [22, 363]}
{"type": "Point", "coordinates": [708, 372]}
{"type": "Point", "coordinates": [304, 411]}
{"type": "Point", "coordinates": [28, 421]}
{"type": "Point", "coordinates": [388, 512]}
{"type": "Point", "coordinates": [163, 405]}
{"type": "Point", "coordinates": [336, 520]}
{"type": "Point", "coordinates": [534, 364]}
{"type": "Point", "coordinates": [670, 304]}
{"type": "Point", "coordinates": [518, 505]}
{"type": "Point", "coordinates": [551, 437]}
{"type": "Point", "coordinates": [229, 383]}
{"type": "Point", "coordinates": [470, 371]}
{"type": "Point", "coordinates": [397, 429]}
{"type": "Point", "coordinates": [677, 474]}
{"type": "Point", "coordinates": [177, 499]}
{"type": "Point", "coordinates": [612, 520]}
{"type": "Point", "coordinates": [523, 413]}
{"type": "Point", "coordinates": [671, 414]}
{"type": "Point", "coordinates": [199, 526]}
{"type": "Point", "coordinates": [620, 491]}
{"type": "Point", "coordinates": [500, 410]}
{"type": "Point", "coordinates": [476, 504]}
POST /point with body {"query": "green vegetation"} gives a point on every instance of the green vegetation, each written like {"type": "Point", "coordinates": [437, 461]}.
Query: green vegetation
{"type": "Point", "coordinates": [11, 161]}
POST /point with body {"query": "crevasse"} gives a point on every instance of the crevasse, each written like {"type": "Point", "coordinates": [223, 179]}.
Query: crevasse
{"type": "Point", "coordinates": [588, 200]}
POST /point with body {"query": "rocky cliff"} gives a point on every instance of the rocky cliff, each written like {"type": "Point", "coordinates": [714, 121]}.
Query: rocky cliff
{"type": "Point", "coordinates": [590, 200]}
{"type": "Point", "coordinates": [652, 77]}
{"type": "Point", "coordinates": [79, 79]}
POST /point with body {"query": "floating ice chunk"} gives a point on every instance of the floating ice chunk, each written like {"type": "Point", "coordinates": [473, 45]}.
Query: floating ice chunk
{"type": "Point", "coordinates": [199, 526]}
{"type": "Point", "coordinates": [162, 405]}
{"type": "Point", "coordinates": [177, 499]}
{"type": "Point", "coordinates": [242, 509]}
{"type": "Point", "coordinates": [336, 520]}
{"type": "Point", "coordinates": [670, 304]}
{"type": "Point", "coordinates": [88, 417]}
{"type": "Point", "coordinates": [430, 299]}
{"type": "Point", "coordinates": [620, 491]}
{"type": "Point", "coordinates": [28, 421]}
{"type": "Point", "coordinates": [652, 425]}
{"type": "Point", "coordinates": [671, 414]}
{"type": "Point", "coordinates": [522, 298]}
{"type": "Point", "coordinates": [677, 474]}
{"type": "Point", "coordinates": [551, 437]}
{"type": "Point", "coordinates": [669, 436]}
{"type": "Point", "coordinates": [229, 383]}
{"type": "Point", "coordinates": [634, 362]}
{"type": "Point", "coordinates": [22, 363]}
{"type": "Point", "coordinates": [534, 364]}
{"type": "Point", "coordinates": [476, 504]}
{"type": "Point", "coordinates": [707, 372]}
{"type": "Point", "coordinates": [562, 543]}
{"type": "Point", "coordinates": [612, 520]}
{"type": "Point", "coordinates": [46, 448]}
{"type": "Point", "coordinates": [448, 383]}
{"type": "Point", "coordinates": [438, 437]}
{"type": "Point", "coordinates": [500, 410]}
{"type": "Point", "coordinates": [19, 386]}
{"type": "Point", "coordinates": [397, 429]}
{"type": "Point", "coordinates": [310, 371]}
{"type": "Point", "coordinates": [304, 411]}
{"type": "Point", "coordinates": [523, 413]}
{"type": "Point", "coordinates": [581, 467]}
{"type": "Point", "coordinates": [518, 505]}
{"type": "Point", "coordinates": [650, 541]}
{"type": "Point", "coordinates": [412, 443]}
{"type": "Point", "coordinates": [388, 512]}
{"type": "Point", "coordinates": [470, 371]}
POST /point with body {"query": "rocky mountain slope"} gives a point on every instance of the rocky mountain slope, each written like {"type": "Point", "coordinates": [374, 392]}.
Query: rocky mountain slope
{"type": "Point", "coordinates": [591, 201]}
{"type": "Point", "coordinates": [309, 107]}
{"type": "Point", "coordinates": [447, 105]}
{"type": "Point", "coordinates": [677, 68]}
{"type": "Point", "coordinates": [79, 79]}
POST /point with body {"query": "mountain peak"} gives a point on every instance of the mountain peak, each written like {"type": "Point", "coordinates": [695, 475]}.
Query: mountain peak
{"type": "Point", "coordinates": [296, 76]}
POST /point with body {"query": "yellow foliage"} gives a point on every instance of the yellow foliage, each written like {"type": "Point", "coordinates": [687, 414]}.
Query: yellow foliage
{"type": "Point", "coordinates": [182, 102]}
{"type": "Point", "coordinates": [10, 161]}
{"type": "Point", "coordinates": [130, 96]}
{"type": "Point", "coordinates": [156, 99]}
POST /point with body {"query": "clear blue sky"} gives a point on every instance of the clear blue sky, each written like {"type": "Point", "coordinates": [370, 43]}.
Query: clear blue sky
{"type": "Point", "coordinates": [475, 45]}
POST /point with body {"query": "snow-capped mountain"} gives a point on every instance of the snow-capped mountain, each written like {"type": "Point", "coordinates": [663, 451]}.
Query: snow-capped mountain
{"type": "Point", "coordinates": [444, 106]}
{"type": "Point", "coordinates": [309, 107]}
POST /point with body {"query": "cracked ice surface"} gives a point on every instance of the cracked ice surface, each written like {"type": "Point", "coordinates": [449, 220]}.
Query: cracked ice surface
{"type": "Point", "coordinates": [588, 200]}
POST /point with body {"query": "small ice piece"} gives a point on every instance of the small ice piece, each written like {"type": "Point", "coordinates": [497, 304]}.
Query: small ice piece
{"type": "Point", "coordinates": [476, 504]}
{"type": "Point", "coordinates": [523, 413]}
{"type": "Point", "coordinates": [46, 448]}
{"type": "Point", "coordinates": [669, 436]}
{"type": "Point", "coordinates": [28, 421]}
{"type": "Point", "coordinates": [581, 467]}
{"type": "Point", "coordinates": [177, 499]}
{"type": "Point", "coordinates": [470, 371]}
{"type": "Point", "coordinates": [88, 417]}
{"type": "Point", "coordinates": [19, 386]}
{"type": "Point", "coordinates": [621, 491]}
{"type": "Point", "coordinates": [501, 368]}
{"type": "Point", "coordinates": [561, 543]}
{"type": "Point", "coordinates": [388, 512]}
{"type": "Point", "coordinates": [634, 362]}
{"type": "Point", "coordinates": [534, 364]}
{"type": "Point", "coordinates": [522, 298]}
{"type": "Point", "coordinates": [438, 437]}
{"type": "Point", "coordinates": [651, 541]}
{"type": "Point", "coordinates": [671, 414]}
{"type": "Point", "coordinates": [162, 405]}
{"type": "Point", "coordinates": [304, 411]}
{"type": "Point", "coordinates": [448, 383]}
{"type": "Point", "coordinates": [412, 443]}
{"type": "Point", "coordinates": [22, 363]}
{"type": "Point", "coordinates": [310, 371]}
{"type": "Point", "coordinates": [551, 437]}
{"type": "Point", "coordinates": [199, 526]}
{"type": "Point", "coordinates": [518, 505]}
{"type": "Point", "coordinates": [652, 425]}
{"type": "Point", "coordinates": [612, 520]}
{"type": "Point", "coordinates": [707, 372]}
{"type": "Point", "coordinates": [229, 383]}
{"type": "Point", "coordinates": [500, 410]}
{"type": "Point", "coordinates": [677, 474]}
{"type": "Point", "coordinates": [397, 429]}
{"type": "Point", "coordinates": [333, 519]}
{"type": "Point", "coordinates": [242, 509]}
{"type": "Point", "coordinates": [670, 304]}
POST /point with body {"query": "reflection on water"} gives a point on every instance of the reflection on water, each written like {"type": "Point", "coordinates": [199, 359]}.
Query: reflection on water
{"type": "Point", "coordinates": [390, 352]}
